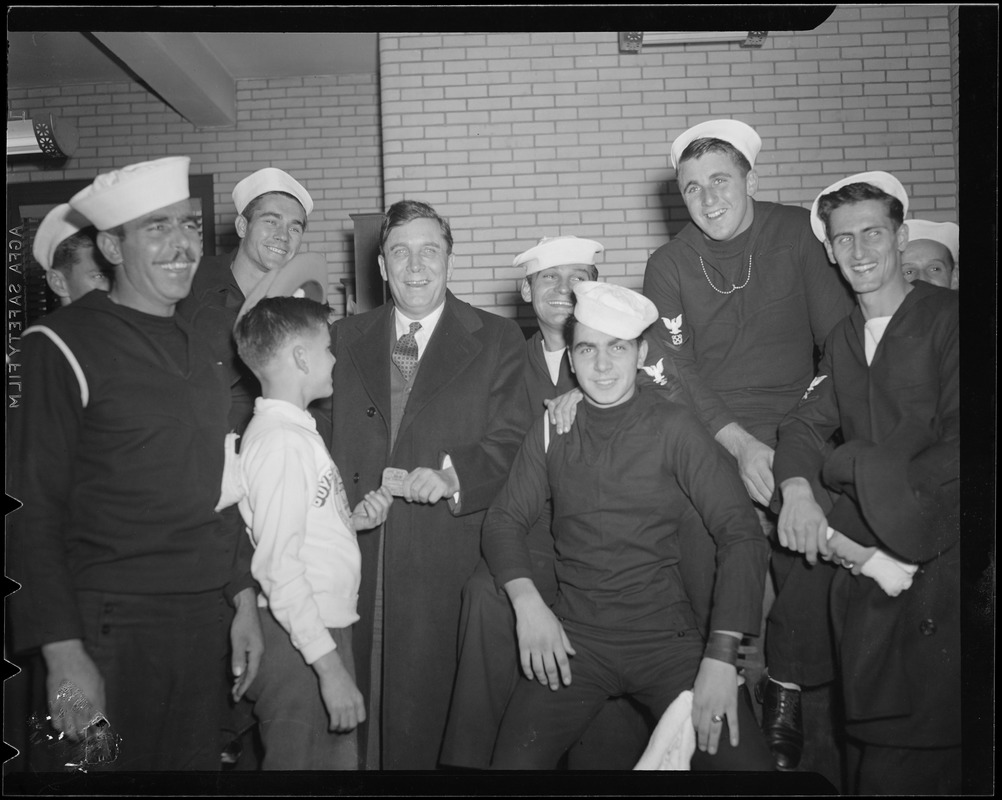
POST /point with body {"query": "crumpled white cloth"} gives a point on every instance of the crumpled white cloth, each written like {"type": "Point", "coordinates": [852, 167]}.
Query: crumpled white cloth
{"type": "Point", "coordinates": [674, 739]}
{"type": "Point", "coordinates": [891, 575]}
{"type": "Point", "coordinates": [232, 488]}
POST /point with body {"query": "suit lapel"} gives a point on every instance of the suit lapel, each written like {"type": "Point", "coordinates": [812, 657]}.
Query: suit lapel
{"type": "Point", "coordinates": [369, 352]}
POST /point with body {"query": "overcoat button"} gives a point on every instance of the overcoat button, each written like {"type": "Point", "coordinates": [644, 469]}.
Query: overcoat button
{"type": "Point", "coordinates": [354, 478]}
{"type": "Point", "coordinates": [927, 627]}
{"type": "Point", "coordinates": [370, 411]}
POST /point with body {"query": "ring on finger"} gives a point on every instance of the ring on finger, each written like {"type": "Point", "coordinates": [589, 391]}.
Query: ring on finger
{"type": "Point", "coordinates": [716, 718]}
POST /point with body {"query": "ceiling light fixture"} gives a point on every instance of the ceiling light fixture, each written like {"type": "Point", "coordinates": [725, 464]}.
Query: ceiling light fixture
{"type": "Point", "coordinates": [44, 136]}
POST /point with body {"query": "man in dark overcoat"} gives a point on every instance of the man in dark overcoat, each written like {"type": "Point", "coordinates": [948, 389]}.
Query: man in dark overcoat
{"type": "Point", "coordinates": [431, 386]}
{"type": "Point", "coordinates": [889, 381]}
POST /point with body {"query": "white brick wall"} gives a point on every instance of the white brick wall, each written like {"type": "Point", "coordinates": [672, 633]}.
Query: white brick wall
{"type": "Point", "coordinates": [322, 130]}
{"type": "Point", "coordinates": [517, 136]}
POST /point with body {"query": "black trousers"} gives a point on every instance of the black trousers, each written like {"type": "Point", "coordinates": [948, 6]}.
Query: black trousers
{"type": "Point", "coordinates": [653, 668]}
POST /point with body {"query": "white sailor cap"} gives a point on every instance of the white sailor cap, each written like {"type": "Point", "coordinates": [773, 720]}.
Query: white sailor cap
{"type": "Point", "coordinates": [57, 226]}
{"type": "Point", "coordinates": [555, 251]}
{"type": "Point", "coordinates": [270, 179]}
{"type": "Point", "coordinates": [128, 193]}
{"type": "Point", "coordinates": [881, 180]}
{"type": "Point", "coordinates": [946, 233]}
{"type": "Point", "coordinates": [304, 276]}
{"type": "Point", "coordinates": [612, 309]}
{"type": "Point", "coordinates": [734, 132]}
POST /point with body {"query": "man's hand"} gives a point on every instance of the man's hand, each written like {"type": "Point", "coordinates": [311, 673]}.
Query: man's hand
{"type": "Point", "coordinates": [563, 409]}
{"type": "Point", "coordinates": [342, 699]}
{"type": "Point", "coordinates": [715, 694]}
{"type": "Point", "coordinates": [543, 645]}
{"type": "Point", "coordinates": [68, 660]}
{"type": "Point", "coordinates": [246, 642]}
{"type": "Point", "coordinates": [426, 485]}
{"type": "Point", "coordinates": [372, 511]}
{"type": "Point", "coordinates": [802, 525]}
{"type": "Point", "coordinates": [849, 553]}
{"type": "Point", "coordinates": [754, 461]}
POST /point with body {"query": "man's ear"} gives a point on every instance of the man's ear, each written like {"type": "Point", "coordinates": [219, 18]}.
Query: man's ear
{"type": "Point", "coordinates": [110, 247]}
{"type": "Point", "coordinates": [642, 354]}
{"type": "Point", "coordinates": [831, 253]}
{"type": "Point", "coordinates": [902, 235]}
{"type": "Point", "coordinates": [526, 290]}
{"type": "Point", "coordinates": [57, 282]}
{"type": "Point", "coordinates": [450, 266]}
{"type": "Point", "coordinates": [382, 266]}
{"type": "Point", "coordinates": [751, 183]}
{"type": "Point", "coordinates": [241, 224]}
{"type": "Point", "coordinates": [300, 357]}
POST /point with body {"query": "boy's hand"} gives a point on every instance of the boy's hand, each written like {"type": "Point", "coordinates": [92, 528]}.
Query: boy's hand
{"type": "Point", "coordinates": [341, 696]}
{"type": "Point", "coordinates": [372, 511]}
{"type": "Point", "coordinates": [246, 642]}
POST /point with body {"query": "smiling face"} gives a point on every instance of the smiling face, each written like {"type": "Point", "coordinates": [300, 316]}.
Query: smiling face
{"type": "Point", "coordinates": [866, 244]}
{"type": "Point", "coordinates": [929, 261]}
{"type": "Point", "coordinates": [155, 258]}
{"type": "Point", "coordinates": [551, 293]}
{"type": "Point", "coordinates": [606, 367]}
{"type": "Point", "coordinates": [273, 234]}
{"type": "Point", "coordinates": [718, 195]}
{"type": "Point", "coordinates": [417, 264]}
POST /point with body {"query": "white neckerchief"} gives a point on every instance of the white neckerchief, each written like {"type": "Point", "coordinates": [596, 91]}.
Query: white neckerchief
{"type": "Point", "coordinates": [427, 326]}
{"type": "Point", "coordinates": [553, 359]}
{"type": "Point", "coordinates": [873, 332]}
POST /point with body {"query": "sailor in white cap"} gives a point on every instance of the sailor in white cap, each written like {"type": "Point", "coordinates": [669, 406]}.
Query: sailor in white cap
{"type": "Point", "coordinates": [487, 670]}
{"type": "Point", "coordinates": [272, 209]}
{"type": "Point", "coordinates": [745, 294]}
{"type": "Point", "coordinates": [888, 383]}
{"type": "Point", "coordinates": [932, 253]}
{"type": "Point", "coordinates": [64, 247]}
{"type": "Point", "coordinates": [621, 479]}
{"type": "Point", "coordinates": [121, 558]}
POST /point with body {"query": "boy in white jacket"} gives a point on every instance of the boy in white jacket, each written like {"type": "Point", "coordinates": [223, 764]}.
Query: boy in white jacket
{"type": "Point", "coordinates": [306, 556]}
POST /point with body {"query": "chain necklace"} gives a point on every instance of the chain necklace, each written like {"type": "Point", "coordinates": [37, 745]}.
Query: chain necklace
{"type": "Point", "coordinates": [734, 287]}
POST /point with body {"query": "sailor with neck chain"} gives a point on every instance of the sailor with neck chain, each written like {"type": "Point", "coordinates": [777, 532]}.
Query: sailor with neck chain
{"type": "Point", "coordinates": [745, 293]}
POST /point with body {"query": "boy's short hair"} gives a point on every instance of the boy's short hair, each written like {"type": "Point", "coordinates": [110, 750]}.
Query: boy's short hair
{"type": "Point", "coordinates": [700, 147]}
{"type": "Point", "coordinates": [266, 328]}
{"type": "Point", "coordinates": [858, 193]}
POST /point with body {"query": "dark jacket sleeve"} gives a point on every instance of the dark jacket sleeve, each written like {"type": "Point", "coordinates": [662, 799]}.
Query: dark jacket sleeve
{"type": "Point", "coordinates": [711, 481]}
{"type": "Point", "coordinates": [520, 502]}
{"type": "Point", "coordinates": [45, 437]}
{"type": "Point", "coordinates": [676, 361]}
{"type": "Point", "coordinates": [483, 465]}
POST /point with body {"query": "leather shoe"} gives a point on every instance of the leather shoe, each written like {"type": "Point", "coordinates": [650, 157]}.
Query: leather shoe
{"type": "Point", "coordinates": [783, 725]}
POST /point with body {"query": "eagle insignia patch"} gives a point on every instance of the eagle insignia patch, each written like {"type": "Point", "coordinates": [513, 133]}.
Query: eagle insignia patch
{"type": "Point", "coordinates": [674, 327]}
{"type": "Point", "coordinates": [814, 383]}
